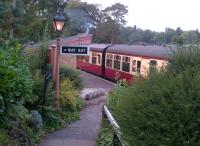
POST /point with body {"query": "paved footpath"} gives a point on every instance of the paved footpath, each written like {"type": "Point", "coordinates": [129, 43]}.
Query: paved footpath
{"type": "Point", "coordinates": [83, 132]}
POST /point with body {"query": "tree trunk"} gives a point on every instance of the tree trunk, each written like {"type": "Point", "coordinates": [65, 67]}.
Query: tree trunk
{"type": "Point", "coordinates": [14, 2]}
{"type": "Point", "coordinates": [14, 6]}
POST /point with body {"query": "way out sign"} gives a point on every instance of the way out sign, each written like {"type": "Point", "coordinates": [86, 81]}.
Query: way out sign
{"type": "Point", "coordinates": [75, 50]}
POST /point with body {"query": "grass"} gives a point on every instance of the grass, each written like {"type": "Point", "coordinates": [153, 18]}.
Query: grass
{"type": "Point", "coordinates": [106, 134]}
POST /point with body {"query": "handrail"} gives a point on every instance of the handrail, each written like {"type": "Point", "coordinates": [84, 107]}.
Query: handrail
{"type": "Point", "coordinates": [111, 118]}
{"type": "Point", "coordinates": [115, 126]}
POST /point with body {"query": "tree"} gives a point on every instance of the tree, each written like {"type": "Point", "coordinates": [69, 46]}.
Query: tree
{"type": "Point", "coordinates": [108, 30]}
{"type": "Point", "coordinates": [136, 36]}
{"type": "Point", "coordinates": [179, 31]}
{"type": "Point", "coordinates": [25, 20]}
{"type": "Point", "coordinates": [148, 36]}
{"type": "Point", "coordinates": [179, 40]}
{"type": "Point", "coordinates": [116, 12]}
{"type": "Point", "coordinates": [159, 38]}
{"type": "Point", "coordinates": [169, 33]}
{"type": "Point", "coordinates": [126, 32]}
{"type": "Point", "coordinates": [190, 37]}
{"type": "Point", "coordinates": [83, 16]}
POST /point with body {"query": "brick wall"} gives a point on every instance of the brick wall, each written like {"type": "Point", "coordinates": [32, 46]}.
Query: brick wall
{"type": "Point", "coordinates": [68, 60]}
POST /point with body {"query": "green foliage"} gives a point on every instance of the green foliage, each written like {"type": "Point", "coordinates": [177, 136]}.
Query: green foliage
{"type": "Point", "coordinates": [15, 90]}
{"type": "Point", "coordinates": [37, 56]}
{"type": "Point", "coordinates": [25, 20]}
{"type": "Point", "coordinates": [163, 109]}
{"type": "Point", "coordinates": [72, 75]}
{"type": "Point", "coordinates": [169, 36]}
{"type": "Point", "coordinates": [52, 118]}
{"type": "Point", "coordinates": [4, 137]}
{"type": "Point", "coordinates": [15, 81]}
{"type": "Point", "coordinates": [179, 40]}
{"type": "Point", "coordinates": [68, 95]}
{"type": "Point", "coordinates": [36, 119]}
{"type": "Point", "coordinates": [106, 134]}
{"type": "Point", "coordinates": [116, 12]}
{"type": "Point", "coordinates": [26, 113]}
{"type": "Point", "coordinates": [107, 32]}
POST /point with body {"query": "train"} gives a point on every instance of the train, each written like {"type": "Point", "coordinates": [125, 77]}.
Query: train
{"type": "Point", "coordinates": [123, 61]}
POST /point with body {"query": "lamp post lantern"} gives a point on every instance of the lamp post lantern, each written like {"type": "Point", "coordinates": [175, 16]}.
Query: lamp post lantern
{"type": "Point", "coordinates": [58, 23]}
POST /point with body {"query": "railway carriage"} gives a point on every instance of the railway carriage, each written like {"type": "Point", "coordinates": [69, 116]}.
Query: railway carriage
{"type": "Point", "coordinates": [121, 61]}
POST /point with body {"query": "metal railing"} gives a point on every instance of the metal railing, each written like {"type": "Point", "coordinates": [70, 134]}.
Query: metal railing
{"type": "Point", "coordinates": [117, 139]}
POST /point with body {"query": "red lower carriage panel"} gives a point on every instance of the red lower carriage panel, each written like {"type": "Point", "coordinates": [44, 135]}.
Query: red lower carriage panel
{"type": "Point", "coordinates": [92, 68]}
{"type": "Point", "coordinates": [114, 74]}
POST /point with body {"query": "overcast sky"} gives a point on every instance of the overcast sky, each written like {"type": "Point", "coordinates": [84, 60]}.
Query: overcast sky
{"type": "Point", "coordinates": [159, 14]}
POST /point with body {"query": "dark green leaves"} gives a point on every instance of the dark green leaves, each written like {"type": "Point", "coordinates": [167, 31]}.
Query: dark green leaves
{"type": "Point", "coordinates": [164, 109]}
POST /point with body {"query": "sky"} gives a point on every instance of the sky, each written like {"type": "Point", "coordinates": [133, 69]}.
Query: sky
{"type": "Point", "coordinates": [159, 14]}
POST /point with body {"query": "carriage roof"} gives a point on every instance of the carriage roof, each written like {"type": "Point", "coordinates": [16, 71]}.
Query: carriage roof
{"type": "Point", "coordinates": [153, 51]}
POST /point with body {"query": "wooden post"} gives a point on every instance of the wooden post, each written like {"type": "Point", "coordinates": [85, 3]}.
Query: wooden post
{"type": "Point", "coordinates": [53, 58]}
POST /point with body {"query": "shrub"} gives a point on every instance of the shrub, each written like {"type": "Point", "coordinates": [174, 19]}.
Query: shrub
{"type": "Point", "coordinates": [68, 95]}
{"type": "Point", "coordinates": [106, 134]}
{"type": "Point", "coordinates": [15, 77]}
{"type": "Point", "coordinates": [72, 75]}
{"type": "Point", "coordinates": [15, 89]}
{"type": "Point", "coordinates": [4, 137]}
{"type": "Point", "coordinates": [162, 110]}
{"type": "Point", "coordinates": [52, 118]}
{"type": "Point", "coordinates": [36, 120]}
{"type": "Point", "coordinates": [37, 56]}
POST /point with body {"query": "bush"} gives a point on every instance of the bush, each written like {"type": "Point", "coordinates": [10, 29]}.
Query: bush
{"type": "Point", "coordinates": [15, 89]}
{"type": "Point", "coordinates": [72, 75]}
{"type": "Point", "coordinates": [36, 120]}
{"type": "Point", "coordinates": [38, 55]}
{"type": "Point", "coordinates": [68, 95]}
{"type": "Point", "coordinates": [162, 110]}
{"type": "Point", "coordinates": [4, 137]}
{"type": "Point", "coordinates": [106, 134]}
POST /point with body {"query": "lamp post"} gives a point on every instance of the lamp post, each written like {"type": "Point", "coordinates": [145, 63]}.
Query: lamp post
{"type": "Point", "coordinates": [58, 23]}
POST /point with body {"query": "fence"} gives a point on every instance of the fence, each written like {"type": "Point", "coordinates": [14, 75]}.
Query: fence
{"type": "Point", "coordinates": [117, 140]}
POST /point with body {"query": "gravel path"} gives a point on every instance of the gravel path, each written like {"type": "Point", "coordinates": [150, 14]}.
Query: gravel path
{"type": "Point", "coordinates": [83, 132]}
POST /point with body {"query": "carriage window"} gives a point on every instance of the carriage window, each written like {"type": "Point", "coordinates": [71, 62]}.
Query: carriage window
{"type": "Point", "coordinates": [136, 66]}
{"type": "Point", "coordinates": [94, 58]}
{"type": "Point", "coordinates": [109, 58]}
{"type": "Point", "coordinates": [152, 65]}
{"type": "Point", "coordinates": [126, 64]}
{"type": "Point", "coordinates": [99, 58]}
{"type": "Point", "coordinates": [117, 62]}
